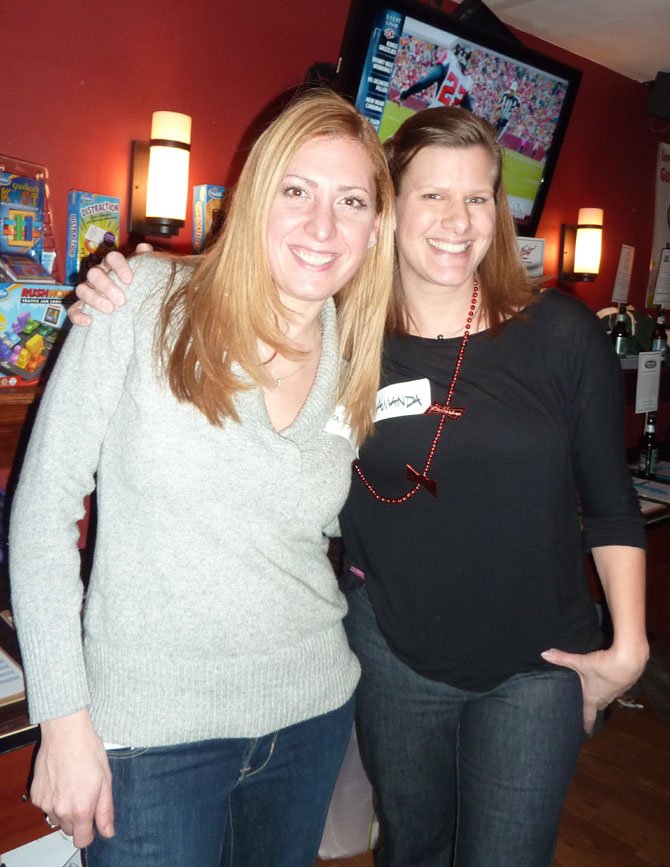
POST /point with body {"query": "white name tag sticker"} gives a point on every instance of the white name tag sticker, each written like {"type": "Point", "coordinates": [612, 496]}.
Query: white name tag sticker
{"type": "Point", "coordinates": [337, 424]}
{"type": "Point", "coordinates": [403, 398]}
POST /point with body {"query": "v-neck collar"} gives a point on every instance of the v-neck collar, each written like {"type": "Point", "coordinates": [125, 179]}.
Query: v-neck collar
{"type": "Point", "coordinates": [320, 401]}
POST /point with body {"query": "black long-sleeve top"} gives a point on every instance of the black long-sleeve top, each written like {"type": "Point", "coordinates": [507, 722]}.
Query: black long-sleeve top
{"type": "Point", "coordinates": [469, 587]}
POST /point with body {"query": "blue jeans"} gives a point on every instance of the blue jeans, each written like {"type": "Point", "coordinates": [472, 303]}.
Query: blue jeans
{"type": "Point", "coordinates": [463, 779]}
{"type": "Point", "coordinates": [226, 803]}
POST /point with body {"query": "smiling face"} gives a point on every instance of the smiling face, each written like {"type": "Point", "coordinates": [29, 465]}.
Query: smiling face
{"type": "Point", "coordinates": [322, 221]}
{"type": "Point", "coordinates": [445, 219]}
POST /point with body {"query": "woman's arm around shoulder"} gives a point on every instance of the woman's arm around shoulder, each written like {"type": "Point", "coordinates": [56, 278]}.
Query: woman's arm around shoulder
{"type": "Point", "coordinates": [100, 291]}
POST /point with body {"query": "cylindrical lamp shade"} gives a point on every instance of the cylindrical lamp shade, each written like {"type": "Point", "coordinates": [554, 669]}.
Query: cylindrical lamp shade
{"type": "Point", "coordinates": [588, 242]}
{"type": "Point", "coordinates": [171, 126]}
{"type": "Point", "coordinates": [585, 217]}
{"type": "Point", "coordinates": [167, 182]}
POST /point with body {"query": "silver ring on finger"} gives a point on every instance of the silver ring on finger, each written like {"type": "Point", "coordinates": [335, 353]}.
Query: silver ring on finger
{"type": "Point", "coordinates": [52, 823]}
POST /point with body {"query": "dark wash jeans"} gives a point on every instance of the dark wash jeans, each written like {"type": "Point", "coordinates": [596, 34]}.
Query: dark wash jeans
{"type": "Point", "coordinates": [463, 779]}
{"type": "Point", "coordinates": [226, 803]}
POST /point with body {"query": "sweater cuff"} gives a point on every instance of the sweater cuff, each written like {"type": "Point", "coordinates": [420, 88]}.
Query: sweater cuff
{"type": "Point", "coordinates": [54, 670]}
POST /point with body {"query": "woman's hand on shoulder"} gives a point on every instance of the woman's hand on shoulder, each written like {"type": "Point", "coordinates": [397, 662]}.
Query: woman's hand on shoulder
{"type": "Point", "coordinates": [604, 674]}
{"type": "Point", "coordinates": [99, 290]}
{"type": "Point", "coordinates": [72, 782]}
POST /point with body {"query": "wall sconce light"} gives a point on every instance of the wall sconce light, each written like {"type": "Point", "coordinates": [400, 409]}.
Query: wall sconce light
{"type": "Point", "coordinates": [159, 178]}
{"type": "Point", "coordinates": [581, 246]}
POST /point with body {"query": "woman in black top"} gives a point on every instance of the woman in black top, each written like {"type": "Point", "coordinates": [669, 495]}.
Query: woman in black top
{"type": "Point", "coordinates": [500, 415]}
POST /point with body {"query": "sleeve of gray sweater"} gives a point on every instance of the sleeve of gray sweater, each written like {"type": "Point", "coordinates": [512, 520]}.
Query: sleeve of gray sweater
{"type": "Point", "coordinates": [58, 472]}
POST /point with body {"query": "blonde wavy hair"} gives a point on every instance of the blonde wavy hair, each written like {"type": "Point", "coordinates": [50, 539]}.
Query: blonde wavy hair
{"type": "Point", "coordinates": [230, 302]}
{"type": "Point", "coordinates": [504, 282]}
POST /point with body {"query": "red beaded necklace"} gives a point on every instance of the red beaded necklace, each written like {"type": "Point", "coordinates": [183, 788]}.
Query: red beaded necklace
{"type": "Point", "coordinates": [445, 410]}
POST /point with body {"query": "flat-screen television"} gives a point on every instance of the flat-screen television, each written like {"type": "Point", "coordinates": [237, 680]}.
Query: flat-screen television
{"type": "Point", "coordinates": [399, 57]}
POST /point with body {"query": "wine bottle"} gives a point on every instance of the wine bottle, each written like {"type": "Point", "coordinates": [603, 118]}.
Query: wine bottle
{"type": "Point", "coordinates": [620, 334]}
{"type": "Point", "coordinates": [648, 454]}
{"type": "Point", "coordinates": [659, 337]}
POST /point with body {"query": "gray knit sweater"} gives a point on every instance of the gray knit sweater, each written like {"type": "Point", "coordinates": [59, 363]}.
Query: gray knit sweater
{"type": "Point", "coordinates": [212, 609]}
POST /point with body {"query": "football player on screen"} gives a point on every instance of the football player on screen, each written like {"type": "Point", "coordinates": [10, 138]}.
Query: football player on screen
{"type": "Point", "coordinates": [453, 84]}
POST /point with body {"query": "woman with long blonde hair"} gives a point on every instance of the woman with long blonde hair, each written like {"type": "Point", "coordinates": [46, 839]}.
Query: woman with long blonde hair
{"type": "Point", "coordinates": [196, 701]}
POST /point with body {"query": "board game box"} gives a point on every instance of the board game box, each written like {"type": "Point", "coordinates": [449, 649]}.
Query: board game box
{"type": "Point", "coordinates": [32, 320]}
{"type": "Point", "coordinates": [27, 243]}
{"type": "Point", "coordinates": [21, 207]}
{"type": "Point", "coordinates": [207, 214]}
{"type": "Point", "coordinates": [93, 227]}
{"type": "Point", "coordinates": [21, 225]}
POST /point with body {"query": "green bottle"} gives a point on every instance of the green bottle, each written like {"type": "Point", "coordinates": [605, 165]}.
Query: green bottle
{"type": "Point", "coordinates": [648, 454]}
{"type": "Point", "coordinates": [620, 333]}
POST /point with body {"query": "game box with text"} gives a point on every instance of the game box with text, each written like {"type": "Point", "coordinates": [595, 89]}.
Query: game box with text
{"type": "Point", "coordinates": [93, 228]}
{"type": "Point", "coordinates": [32, 321]}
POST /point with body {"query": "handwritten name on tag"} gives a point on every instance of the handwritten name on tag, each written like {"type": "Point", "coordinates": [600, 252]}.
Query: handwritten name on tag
{"type": "Point", "coordinates": [403, 398]}
{"type": "Point", "coordinates": [337, 424]}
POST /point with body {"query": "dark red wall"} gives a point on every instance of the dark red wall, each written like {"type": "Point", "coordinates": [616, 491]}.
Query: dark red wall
{"type": "Point", "coordinates": [81, 81]}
